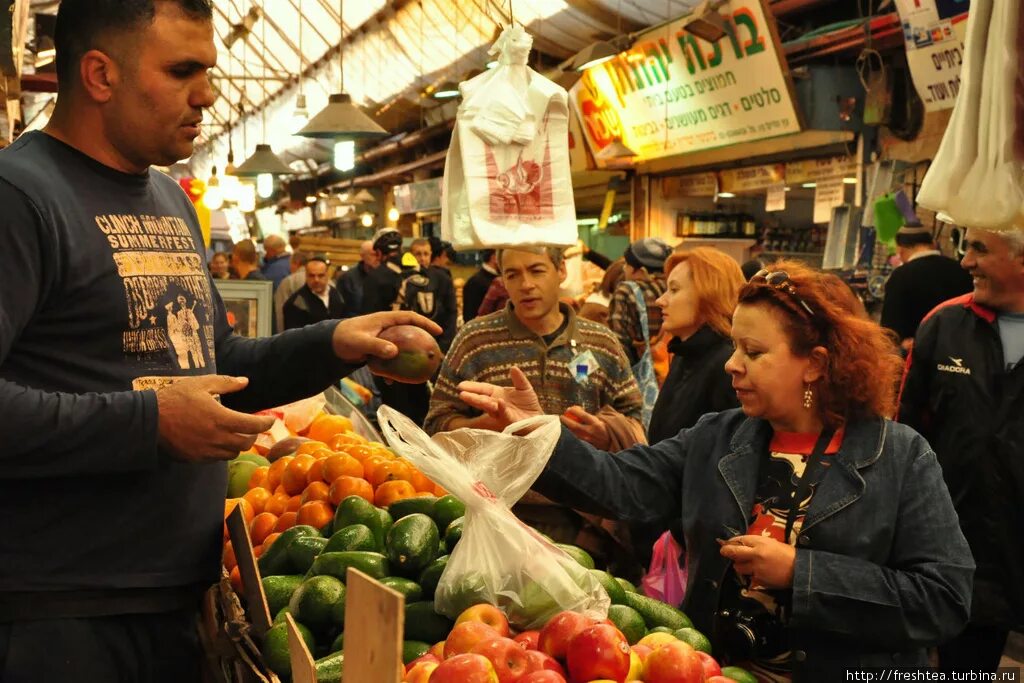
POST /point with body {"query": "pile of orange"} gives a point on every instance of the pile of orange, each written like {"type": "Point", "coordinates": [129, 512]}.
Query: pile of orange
{"type": "Point", "coordinates": [306, 486]}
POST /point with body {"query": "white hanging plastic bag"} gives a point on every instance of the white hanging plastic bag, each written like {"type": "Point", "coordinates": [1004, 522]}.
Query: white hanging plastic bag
{"type": "Point", "coordinates": [499, 560]}
{"type": "Point", "coordinates": [507, 179]}
{"type": "Point", "coordinates": [976, 177]}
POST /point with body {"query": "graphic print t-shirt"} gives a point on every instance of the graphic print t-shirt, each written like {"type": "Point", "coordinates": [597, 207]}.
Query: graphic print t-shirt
{"type": "Point", "coordinates": [112, 298]}
{"type": "Point", "coordinates": [789, 454]}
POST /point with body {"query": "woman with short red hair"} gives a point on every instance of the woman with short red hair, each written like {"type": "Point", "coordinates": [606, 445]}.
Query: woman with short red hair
{"type": "Point", "coordinates": [820, 536]}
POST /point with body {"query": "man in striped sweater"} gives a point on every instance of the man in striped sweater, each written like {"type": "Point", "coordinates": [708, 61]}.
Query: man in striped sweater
{"type": "Point", "coordinates": [578, 368]}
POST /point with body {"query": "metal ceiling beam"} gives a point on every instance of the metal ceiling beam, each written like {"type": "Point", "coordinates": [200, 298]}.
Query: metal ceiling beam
{"type": "Point", "coordinates": [312, 25]}
{"type": "Point", "coordinates": [606, 16]}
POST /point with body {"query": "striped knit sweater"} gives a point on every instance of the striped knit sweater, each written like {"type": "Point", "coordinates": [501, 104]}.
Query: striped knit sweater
{"type": "Point", "coordinates": [486, 348]}
{"type": "Point", "coordinates": [624, 318]}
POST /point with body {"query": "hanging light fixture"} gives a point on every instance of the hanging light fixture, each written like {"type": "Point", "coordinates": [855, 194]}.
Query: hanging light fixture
{"type": "Point", "coordinates": [301, 115]}
{"type": "Point", "coordinates": [341, 120]}
{"type": "Point", "coordinates": [362, 197]}
{"type": "Point", "coordinates": [707, 23]}
{"type": "Point", "coordinates": [345, 155]}
{"type": "Point", "coordinates": [446, 91]}
{"type": "Point", "coordinates": [214, 197]}
{"type": "Point", "coordinates": [615, 150]}
{"type": "Point", "coordinates": [594, 54]}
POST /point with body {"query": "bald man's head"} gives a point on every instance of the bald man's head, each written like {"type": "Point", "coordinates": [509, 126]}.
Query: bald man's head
{"type": "Point", "coordinates": [244, 252]}
{"type": "Point", "coordinates": [367, 255]}
{"type": "Point", "coordinates": [273, 246]}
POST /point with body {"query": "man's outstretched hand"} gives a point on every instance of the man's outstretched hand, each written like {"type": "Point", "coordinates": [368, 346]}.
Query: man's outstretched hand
{"type": "Point", "coordinates": [357, 339]}
{"type": "Point", "coordinates": [194, 426]}
{"type": "Point", "coordinates": [502, 405]}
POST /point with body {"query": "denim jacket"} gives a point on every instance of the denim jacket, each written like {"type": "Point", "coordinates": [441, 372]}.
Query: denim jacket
{"type": "Point", "coordinates": [882, 570]}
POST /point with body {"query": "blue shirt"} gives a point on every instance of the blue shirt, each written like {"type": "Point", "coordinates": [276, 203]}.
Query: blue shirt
{"type": "Point", "coordinates": [1011, 332]}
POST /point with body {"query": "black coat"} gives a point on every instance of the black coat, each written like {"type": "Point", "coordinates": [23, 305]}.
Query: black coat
{"type": "Point", "coordinates": [696, 384]}
{"type": "Point", "coordinates": [474, 291]}
{"type": "Point", "coordinates": [917, 287]}
{"type": "Point", "coordinates": [305, 308]}
{"type": "Point", "coordinates": [960, 397]}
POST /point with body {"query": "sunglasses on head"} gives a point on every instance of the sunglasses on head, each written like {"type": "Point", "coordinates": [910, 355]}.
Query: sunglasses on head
{"type": "Point", "coordinates": [779, 280]}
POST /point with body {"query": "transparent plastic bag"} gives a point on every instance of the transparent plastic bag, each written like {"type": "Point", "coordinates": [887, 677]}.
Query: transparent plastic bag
{"type": "Point", "coordinates": [499, 560]}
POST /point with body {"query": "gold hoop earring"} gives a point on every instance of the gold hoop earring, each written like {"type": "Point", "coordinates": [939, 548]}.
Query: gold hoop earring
{"type": "Point", "coordinates": [808, 397]}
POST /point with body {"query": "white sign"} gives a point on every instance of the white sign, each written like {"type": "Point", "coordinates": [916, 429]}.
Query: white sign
{"type": "Point", "coordinates": [673, 93]}
{"type": "Point", "coordinates": [828, 194]}
{"type": "Point", "coordinates": [776, 199]}
{"type": "Point", "coordinates": [934, 37]}
{"type": "Point", "coordinates": [693, 185]}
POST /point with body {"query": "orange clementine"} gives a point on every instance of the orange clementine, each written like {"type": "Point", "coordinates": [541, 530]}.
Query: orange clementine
{"type": "Point", "coordinates": [390, 491]}
{"type": "Point", "coordinates": [258, 479]}
{"type": "Point", "coordinates": [294, 477]}
{"type": "Point", "coordinates": [276, 471]}
{"type": "Point", "coordinates": [318, 490]}
{"type": "Point", "coordinates": [236, 580]}
{"type": "Point", "coordinates": [307, 447]}
{"type": "Point", "coordinates": [341, 465]}
{"type": "Point", "coordinates": [326, 426]}
{"type": "Point", "coordinates": [362, 451]}
{"type": "Point", "coordinates": [348, 438]}
{"type": "Point", "coordinates": [258, 498]}
{"type": "Point", "coordinates": [229, 557]}
{"type": "Point", "coordinates": [420, 481]}
{"type": "Point", "coordinates": [315, 513]}
{"type": "Point", "coordinates": [286, 521]}
{"type": "Point", "coordinates": [439, 491]}
{"type": "Point", "coordinates": [277, 504]}
{"type": "Point", "coordinates": [316, 472]}
{"type": "Point", "coordinates": [270, 540]}
{"type": "Point", "coordinates": [388, 471]}
{"type": "Point", "coordinates": [247, 512]}
{"type": "Point", "coordinates": [294, 503]}
{"type": "Point", "coordinates": [262, 527]}
{"type": "Point", "coordinates": [345, 486]}
{"type": "Point", "coordinates": [257, 551]}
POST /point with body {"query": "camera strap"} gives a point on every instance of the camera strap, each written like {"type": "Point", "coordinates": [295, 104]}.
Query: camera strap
{"type": "Point", "coordinates": [808, 478]}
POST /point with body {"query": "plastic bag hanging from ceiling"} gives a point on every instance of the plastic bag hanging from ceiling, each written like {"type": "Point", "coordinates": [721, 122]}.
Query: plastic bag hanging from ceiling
{"type": "Point", "coordinates": [506, 178]}
{"type": "Point", "coordinates": [977, 176]}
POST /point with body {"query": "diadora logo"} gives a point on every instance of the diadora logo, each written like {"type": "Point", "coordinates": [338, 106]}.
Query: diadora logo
{"type": "Point", "coordinates": [957, 367]}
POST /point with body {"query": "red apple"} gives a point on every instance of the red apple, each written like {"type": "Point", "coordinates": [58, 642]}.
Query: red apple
{"type": "Point", "coordinates": [420, 673]}
{"type": "Point", "coordinates": [508, 658]}
{"type": "Point", "coordinates": [465, 636]}
{"type": "Point", "coordinates": [419, 660]}
{"type": "Point", "coordinates": [467, 668]}
{"type": "Point", "coordinates": [673, 663]}
{"type": "Point", "coordinates": [542, 662]}
{"type": "Point", "coordinates": [598, 652]}
{"type": "Point", "coordinates": [556, 634]}
{"type": "Point", "coordinates": [711, 667]}
{"type": "Point", "coordinates": [542, 677]}
{"type": "Point", "coordinates": [487, 614]}
{"type": "Point", "coordinates": [528, 639]}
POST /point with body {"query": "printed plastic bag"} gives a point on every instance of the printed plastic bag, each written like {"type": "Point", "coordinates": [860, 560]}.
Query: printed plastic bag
{"type": "Point", "coordinates": [977, 177]}
{"type": "Point", "coordinates": [506, 179]}
{"type": "Point", "coordinates": [499, 560]}
{"type": "Point", "coordinates": [666, 580]}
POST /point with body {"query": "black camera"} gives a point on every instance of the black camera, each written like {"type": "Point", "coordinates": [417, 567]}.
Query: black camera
{"type": "Point", "coordinates": [748, 631]}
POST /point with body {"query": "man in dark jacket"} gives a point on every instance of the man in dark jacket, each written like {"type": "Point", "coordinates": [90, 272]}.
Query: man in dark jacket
{"type": "Point", "coordinates": [925, 280]}
{"type": "Point", "coordinates": [316, 300]}
{"type": "Point", "coordinates": [350, 283]}
{"type": "Point", "coordinates": [964, 392]}
{"type": "Point", "coordinates": [476, 287]}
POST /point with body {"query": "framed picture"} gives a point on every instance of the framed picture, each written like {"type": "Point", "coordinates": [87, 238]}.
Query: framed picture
{"type": "Point", "coordinates": [249, 305]}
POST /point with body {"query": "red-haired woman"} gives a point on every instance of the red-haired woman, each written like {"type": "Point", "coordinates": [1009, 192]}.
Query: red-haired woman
{"type": "Point", "coordinates": [696, 309]}
{"type": "Point", "coordinates": [820, 535]}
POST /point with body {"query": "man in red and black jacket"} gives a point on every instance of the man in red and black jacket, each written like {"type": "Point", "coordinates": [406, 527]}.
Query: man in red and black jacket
{"type": "Point", "coordinates": [964, 391]}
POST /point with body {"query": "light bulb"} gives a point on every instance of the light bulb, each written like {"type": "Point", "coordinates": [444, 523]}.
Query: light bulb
{"type": "Point", "coordinates": [231, 188]}
{"type": "Point", "coordinates": [214, 197]}
{"type": "Point", "coordinates": [311, 199]}
{"type": "Point", "coordinates": [393, 214]}
{"type": "Point", "coordinates": [367, 220]}
{"type": "Point", "coordinates": [246, 197]}
{"type": "Point", "coordinates": [345, 155]}
{"type": "Point", "coordinates": [265, 185]}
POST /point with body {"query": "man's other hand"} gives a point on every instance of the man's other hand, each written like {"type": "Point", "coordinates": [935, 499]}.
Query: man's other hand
{"type": "Point", "coordinates": [356, 339]}
{"type": "Point", "coordinates": [194, 426]}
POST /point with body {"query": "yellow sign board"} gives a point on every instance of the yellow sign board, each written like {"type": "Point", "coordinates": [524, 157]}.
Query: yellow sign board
{"type": "Point", "coordinates": [673, 93]}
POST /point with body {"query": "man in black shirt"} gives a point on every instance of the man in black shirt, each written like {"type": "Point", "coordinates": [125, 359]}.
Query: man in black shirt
{"type": "Point", "coordinates": [476, 287]}
{"type": "Point", "coordinates": [350, 282]}
{"type": "Point", "coordinates": [925, 280]}
{"type": "Point", "coordinates": [122, 387]}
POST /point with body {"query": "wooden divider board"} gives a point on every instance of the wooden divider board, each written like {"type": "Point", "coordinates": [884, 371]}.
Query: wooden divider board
{"type": "Point", "coordinates": [303, 668]}
{"type": "Point", "coordinates": [252, 583]}
{"type": "Point", "coordinates": [374, 620]}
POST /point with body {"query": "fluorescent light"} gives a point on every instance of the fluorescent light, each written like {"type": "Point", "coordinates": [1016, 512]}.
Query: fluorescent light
{"type": "Point", "coordinates": [809, 186]}
{"type": "Point", "coordinates": [849, 181]}
{"type": "Point", "coordinates": [492, 64]}
{"type": "Point", "coordinates": [788, 188]}
{"type": "Point", "coordinates": [311, 199]}
{"type": "Point", "coordinates": [726, 195]}
{"type": "Point", "coordinates": [446, 91]}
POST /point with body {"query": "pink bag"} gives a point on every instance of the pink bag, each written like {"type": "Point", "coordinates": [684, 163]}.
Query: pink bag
{"type": "Point", "coordinates": [666, 580]}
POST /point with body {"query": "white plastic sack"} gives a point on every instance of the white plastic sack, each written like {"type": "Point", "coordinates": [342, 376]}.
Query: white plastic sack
{"type": "Point", "coordinates": [499, 560]}
{"type": "Point", "coordinates": [507, 180]}
{"type": "Point", "coordinates": [976, 177]}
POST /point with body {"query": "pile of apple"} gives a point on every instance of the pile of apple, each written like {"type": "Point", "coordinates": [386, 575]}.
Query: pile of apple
{"type": "Point", "coordinates": [570, 648]}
